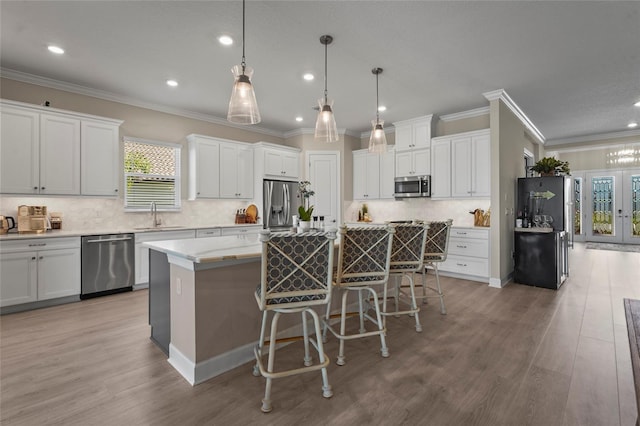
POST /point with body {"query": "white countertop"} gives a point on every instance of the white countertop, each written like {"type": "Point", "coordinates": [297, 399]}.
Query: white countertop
{"type": "Point", "coordinates": [56, 233]}
{"type": "Point", "coordinates": [213, 249]}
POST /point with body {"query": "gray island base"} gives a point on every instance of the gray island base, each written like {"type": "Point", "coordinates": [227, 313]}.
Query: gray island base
{"type": "Point", "coordinates": [205, 310]}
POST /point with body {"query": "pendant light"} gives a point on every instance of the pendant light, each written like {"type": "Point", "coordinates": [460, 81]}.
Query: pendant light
{"type": "Point", "coordinates": [378, 140]}
{"type": "Point", "coordinates": [243, 108]}
{"type": "Point", "coordinates": [326, 129]}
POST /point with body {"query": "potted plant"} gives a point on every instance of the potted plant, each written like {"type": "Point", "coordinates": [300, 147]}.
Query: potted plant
{"type": "Point", "coordinates": [305, 210]}
{"type": "Point", "coordinates": [549, 166]}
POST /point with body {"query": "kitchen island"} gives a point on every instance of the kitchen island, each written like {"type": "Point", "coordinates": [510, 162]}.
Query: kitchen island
{"type": "Point", "coordinates": [201, 302]}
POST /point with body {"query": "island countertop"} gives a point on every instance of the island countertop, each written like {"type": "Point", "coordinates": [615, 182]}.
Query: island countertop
{"type": "Point", "coordinates": [210, 250]}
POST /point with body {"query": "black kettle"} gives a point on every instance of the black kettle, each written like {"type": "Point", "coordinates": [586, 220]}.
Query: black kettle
{"type": "Point", "coordinates": [6, 223]}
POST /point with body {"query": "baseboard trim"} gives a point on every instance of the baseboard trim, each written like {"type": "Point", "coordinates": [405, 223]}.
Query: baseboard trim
{"type": "Point", "coordinates": [500, 282]}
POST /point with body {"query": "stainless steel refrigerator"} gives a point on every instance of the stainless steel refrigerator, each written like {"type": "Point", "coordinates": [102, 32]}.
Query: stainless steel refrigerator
{"type": "Point", "coordinates": [279, 204]}
{"type": "Point", "coordinates": [542, 250]}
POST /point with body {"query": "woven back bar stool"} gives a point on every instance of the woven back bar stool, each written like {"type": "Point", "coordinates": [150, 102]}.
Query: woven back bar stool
{"type": "Point", "coordinates": [296, 276]}
{"type": "Point", "coordinates": [363, 264]}
{"type": "Point", "coordinates": [437, 247]}
{"type": "Point", "coordinates": [407, 255]}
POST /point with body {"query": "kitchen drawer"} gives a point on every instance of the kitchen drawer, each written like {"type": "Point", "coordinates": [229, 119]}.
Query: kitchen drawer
{"type": "Point", "coordinates": [466, 265]}
{"type": "Point", "coordinates": [38, 244]}
{"type": "Point", "coordinates": [143, 237]}
{"type": "Point", "coordinates": [209, 232]}
{"type": "Point", "coordinates": [240, 230]}
{"type": "Point", "coordinates": [469, 247]}
{"type": "Point", "coordinates": [482, 234]}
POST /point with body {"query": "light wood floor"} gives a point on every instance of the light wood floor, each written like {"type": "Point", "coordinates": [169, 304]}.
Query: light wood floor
{"type": "Point", "coordinates": [513, 356]}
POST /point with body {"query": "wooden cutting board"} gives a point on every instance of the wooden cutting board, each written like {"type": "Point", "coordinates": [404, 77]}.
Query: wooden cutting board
{"type": "Point", "coordinates": [252, 214]}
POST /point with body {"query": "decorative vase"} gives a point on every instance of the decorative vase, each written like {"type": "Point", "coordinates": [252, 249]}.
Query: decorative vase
{"type": "Point", "coordinates": [304, 225]}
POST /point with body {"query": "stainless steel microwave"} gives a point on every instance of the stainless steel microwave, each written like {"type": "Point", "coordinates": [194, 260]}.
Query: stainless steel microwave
{"type": "Point", "coordinates": [412, 187]}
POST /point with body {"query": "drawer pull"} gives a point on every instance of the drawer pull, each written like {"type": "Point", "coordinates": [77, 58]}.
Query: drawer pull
{"type": "Point", "coordinates": [461, 264]}
{"type": "Point", "coordinates": [38, 245]}
{"type": "Point", "coordinates": [461, 233]}
{"type": "Point", "coordinates": [459, 246]}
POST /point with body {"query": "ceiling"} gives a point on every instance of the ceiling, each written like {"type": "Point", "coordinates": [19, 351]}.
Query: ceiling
{"type": "Point", "coordinates": [572, 67]}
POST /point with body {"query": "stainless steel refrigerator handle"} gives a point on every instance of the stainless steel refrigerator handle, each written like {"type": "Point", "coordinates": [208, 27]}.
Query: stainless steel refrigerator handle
{"type": "Point", "coordinates": [285, 203]}
{"type": "Point", "coordinates": [268, 189]}
{"type": "Point", "coordinates": [109, 240]}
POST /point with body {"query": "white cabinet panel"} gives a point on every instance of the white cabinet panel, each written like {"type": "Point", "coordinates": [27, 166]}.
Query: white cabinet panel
{"type": "Point", "coordinates": [461, 166]}
{"type": "Point", "coordinates": [19, 151]}
{"type": "Point", "coordinates": [440, 168]}
{"type": "Point", "coordinates": [18, 278]}
{"type": "Point", "coordinates": [100, 165]}
{"type": "Point", "coordinates": [481, 178]}
{"type": "Point", "coordinates": [240, 230]}
{"type": "Point", "coordinates": [413, 134]}
{"type": "Point", "coordinates": [208, 232]}
{"type": "Point", "coordinates": [236, 171]}
{"type": "Point", "coordinates": [470, 161]}
{"type": "Point", "coordinates": [204, 168]}
{"type": "Point", "coordinates": [404, 137]}
{"type": "Point", "coordinates": [58, 273]}
{"type": "Point", "coordinates": [366, 175]}
{"type": "Point", "coordinates": [59, 155]}
{"type": "Point", "coordinates": [142, 253]}
{"type": "Point", "coordinates": [281, 163]}
{"type": "Point", "coordinates": [468, 253]}
{"type": "Point", "coordinates": [413, 163]}
{"type": "Point", "coordinates": [387, 174]}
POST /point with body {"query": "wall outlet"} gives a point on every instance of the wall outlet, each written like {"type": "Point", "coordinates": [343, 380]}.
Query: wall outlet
{"type": "Point", "coordinates": [178, 286]}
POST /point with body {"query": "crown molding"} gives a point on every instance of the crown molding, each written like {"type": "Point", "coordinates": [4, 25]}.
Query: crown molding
{"type": "Point", "coordinates": [114, 97]}
{"type": "Point", "coordinates": [311, 131]}
{"type": "Point", "coordinates": [477, 112]}
{"type": "Point", "coordinates": [502, 95]}
{"type": "Point", "coordinates": [595, 137]}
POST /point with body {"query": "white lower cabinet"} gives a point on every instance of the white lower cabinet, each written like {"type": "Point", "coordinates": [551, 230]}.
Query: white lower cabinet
{"type": "Point", "coordinates": [142, 252]}
{"type": "Point", "coordinates": [39, 269]}
{"type": "Point", "coordinates": [240, 230]}
{"type": "Point", "coordinates": [468, 253]}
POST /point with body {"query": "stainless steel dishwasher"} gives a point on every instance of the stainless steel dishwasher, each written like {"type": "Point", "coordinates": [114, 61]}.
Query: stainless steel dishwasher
{"type": "Point", "coordinates": [108, 264]}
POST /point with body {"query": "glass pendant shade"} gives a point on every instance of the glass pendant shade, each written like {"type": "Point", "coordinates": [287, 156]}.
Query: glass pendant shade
{"type": "Point", "coordinates": [378, 140]}
{"type": "Point", "coordinates": [326, 129]}
{"type": "Point", "coordinates": [243, 108]}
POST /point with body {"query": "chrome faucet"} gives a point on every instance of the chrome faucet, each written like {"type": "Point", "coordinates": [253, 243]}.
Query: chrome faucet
{"type": "Point", "coordinates": [154, 213]}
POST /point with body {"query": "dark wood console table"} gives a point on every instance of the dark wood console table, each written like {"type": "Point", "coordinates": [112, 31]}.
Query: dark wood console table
{"type": "Point", "coordinates": [632, 312]}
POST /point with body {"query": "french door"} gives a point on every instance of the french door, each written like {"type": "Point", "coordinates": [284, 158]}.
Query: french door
{"type": "Point", "coordinates": [613, 206]}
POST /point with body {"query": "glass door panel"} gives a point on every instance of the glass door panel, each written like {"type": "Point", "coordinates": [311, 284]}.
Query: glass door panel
{"type": "Point", "coordinates": [630, 211]}
{"type": "Point", "coordinates": [604, 222]}
{"type": "Point", "coordinates": [577, 206]}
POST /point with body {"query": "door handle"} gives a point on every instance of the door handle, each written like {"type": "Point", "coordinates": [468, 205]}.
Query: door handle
{"type": "Point", "coordinates": [109, 240]}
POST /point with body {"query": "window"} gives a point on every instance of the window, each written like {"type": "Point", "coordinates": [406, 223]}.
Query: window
{"type": "Point", "coordinates": [151, 174]}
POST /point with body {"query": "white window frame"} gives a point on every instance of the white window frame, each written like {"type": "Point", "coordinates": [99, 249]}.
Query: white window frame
{"type": "Point", "coordinates": [177, 206]}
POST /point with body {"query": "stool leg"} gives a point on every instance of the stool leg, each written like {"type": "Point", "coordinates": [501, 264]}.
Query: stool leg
{"type": "Point", "coordinates": [424, 284]}
{"type": "Point", "coordinates": [361, 311]}
{"type": "Point", "coordinates": [384, 350]}
{"type": "Point", "coordinates": [343, 327]}
{"type": "Point", "coordinates": [325, 326]}
{"type": "Point", "coordinates": [398, 282]}
{"type": "Point", "coordinates": [305, 335]}
{"type": "Point", "coordinates": [414, 305]}
{"type": "Point", "coordinates": [266, 402]}
{"type": "Point", "coordinates": [256, 369]}
{"type": "Point", "coordinates": [326, 387]}
{"type": "Point", "coordinates": [443, 310]}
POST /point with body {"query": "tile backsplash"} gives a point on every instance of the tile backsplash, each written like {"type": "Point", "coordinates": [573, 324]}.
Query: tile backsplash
{"type": "Point", "coordinates": [87, 213]}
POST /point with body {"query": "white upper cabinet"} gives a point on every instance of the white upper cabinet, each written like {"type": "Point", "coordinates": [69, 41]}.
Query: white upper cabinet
{"type": "Point", "coordinates": [19, 151]}
{"type": "Point", "coordinates": [413, 163]}
{"type": "Point", "coordinates": [373, 175]}
{"type": "Point", "coordinates": [470, 161]}
{"type": "Point", "coordinates": [100, 154]}
{"type": "Point", "coordinates": [41, 151]}
{"type": "Point", "coordinates": [441, 168]}
{"type": "Point", "coordinates": [413, 134]}
{"type": "Point", "coordinates": [278, 162]}
{"type": "Point", "coordinates": [204, 167]}
{"type": "Point", "coordinates": [236, 171]}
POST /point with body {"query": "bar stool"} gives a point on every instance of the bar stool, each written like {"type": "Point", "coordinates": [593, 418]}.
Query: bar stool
{"type": "Point", "coordinates": [437, 247]}
{"type": "Point", "coordinates": [407, 256]}
{"type": "Point", "coordinates": [363, 263]}
{"type": "Point", "coordinates": [296, 276]}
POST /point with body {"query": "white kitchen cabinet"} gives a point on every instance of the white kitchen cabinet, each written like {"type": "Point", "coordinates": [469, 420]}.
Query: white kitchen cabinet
{"type": "Point", "coordinates": [207, 232]}
{"type": "Point", "coordinates": [99, 158]}
{"type": "Point", "coordinates": [142, 252]}
{"type": "Point", "coordinates": [39, 269]}
{"type": "Point", "coordinates": [413, 134]}
{"type": "Point", "coordinates": [373, 175]}
{"type": "Point", "coordinates": [281, 163]}
{"type": "Point", "coordinates": [42, 149]}
{"type": "Point", "coordinates": [240, 230]}
{"type": "Point", "coordinates": [366, 175]}
{"type": "Point", "coordinates": [204, 167]}
{"type": "Point", "coordinates": [470, 161]}
{"type": "Point", "coordinates": [236, 171]}
{"type": "Point", "coordinates": [441, 168]}
{"type": "Point", "coordinates": [413, 163]}
{"type": "Point", "coordinates": [468, 254]}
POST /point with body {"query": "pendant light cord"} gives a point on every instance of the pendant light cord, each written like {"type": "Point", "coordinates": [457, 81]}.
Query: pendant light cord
{"type": "Point", "coordinates": [243, 63]}
{"type": "Point", "coordinates": [325, 73]}
{"type": "Point", "coordinates": [377, 102]}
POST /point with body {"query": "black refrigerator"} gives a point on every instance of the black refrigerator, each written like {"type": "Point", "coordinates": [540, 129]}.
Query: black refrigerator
{"type": "Point", "coordinates": [541, 250]}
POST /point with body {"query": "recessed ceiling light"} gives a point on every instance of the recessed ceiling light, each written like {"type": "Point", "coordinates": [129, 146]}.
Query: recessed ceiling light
{"type": "Point", "coordinates": [637, 104]}
{"type": "Point", "coordinates": [382, 108]}
{"type": "Point", "coordinates": [225, 40]}
{"type": "Point", "coordinates": [55, 49]}
{"type": "Point", "coordinates": [308, 76]}
{"type": "Point", "coordinates": [298, 119]}
{"type": "Point", "coordinates": [172, 83]}
{"type": "Point", "coordinates": [632, 125]}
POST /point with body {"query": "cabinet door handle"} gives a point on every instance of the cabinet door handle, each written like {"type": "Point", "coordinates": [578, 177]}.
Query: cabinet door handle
{"type": "Point", "coordinates": [115, 190]}
{"type": "Point", "coordinates": [33, 258]}
{"type": "Point", "coordinates": [43, 188]}
{"type": "Point", "coordinates": [41, 257]}
{"type": "Point", "coordinates": [461, 233]}
{"type": "Point", "coordinates": [35, 187]}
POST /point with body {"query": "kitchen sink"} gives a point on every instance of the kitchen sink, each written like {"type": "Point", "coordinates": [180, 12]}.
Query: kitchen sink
{"type": "Point", "coordinates": [158, 228]}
